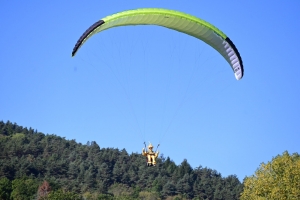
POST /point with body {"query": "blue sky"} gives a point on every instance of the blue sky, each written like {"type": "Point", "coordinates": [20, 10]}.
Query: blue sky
{"type": "Point", "coordinates": [133, 84]}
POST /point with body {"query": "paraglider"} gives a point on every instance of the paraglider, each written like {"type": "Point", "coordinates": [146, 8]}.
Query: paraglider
{"type": "Point", "coordinates": [151, 155]}
{"type": "Point", "coordinates": [175, 20]}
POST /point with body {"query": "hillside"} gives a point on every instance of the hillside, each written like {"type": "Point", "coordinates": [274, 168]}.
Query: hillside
{"type": "Point", "coordinates": [86, 171]}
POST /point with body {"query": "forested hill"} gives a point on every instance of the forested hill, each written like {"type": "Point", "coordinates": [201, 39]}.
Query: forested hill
{"type": "Point", "coordinates": [29, 158]}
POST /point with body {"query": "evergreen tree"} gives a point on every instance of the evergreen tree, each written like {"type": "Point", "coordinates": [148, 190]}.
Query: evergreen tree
{"type": "Point", "coordinates": [169, 189]}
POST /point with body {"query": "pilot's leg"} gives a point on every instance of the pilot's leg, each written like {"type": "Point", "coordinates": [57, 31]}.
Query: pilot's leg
{"type": "Point", "coordinates": [153, 160]}
{"type": "Point", "coordinates": [149, 160]}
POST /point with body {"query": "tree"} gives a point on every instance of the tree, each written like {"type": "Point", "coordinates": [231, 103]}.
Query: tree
{"type": "Point", "coordinates": [104, 177]}
{"type": "Point", "coordinates": [278, 179]}
{"type": "Point", "coordinates": [89, 178]}
{"type": "Point", "coordinates": [60, 194]}
{"type": "Point", "coordinates": [184, 168]}
{"type": "Point", "coordinates": [23, 188]}
{"type": "Point", "coordinates": [157, 184]}
{"type": "Point", "coordinates": [232, 187]}
{"type": "Point", "coordinates": [148, 195]}
{"type": "Point", "coordinates": [105, 197]}
{"type": "Point", "coordinates": [5, 188]}
{"type": "Point", "coordinates": [44, 190]}
{"type": "Point", "coordinates": [169, 189]}
{"type": "Point", "coordinates": [184, 186]}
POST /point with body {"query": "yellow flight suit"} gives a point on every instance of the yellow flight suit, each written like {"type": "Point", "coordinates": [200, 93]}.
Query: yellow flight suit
{"type": "Point", "coordinates": [151, 155]}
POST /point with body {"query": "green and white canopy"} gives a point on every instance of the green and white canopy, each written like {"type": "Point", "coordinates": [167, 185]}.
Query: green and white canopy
{"type": "Point", "coordinates": [175, 20]}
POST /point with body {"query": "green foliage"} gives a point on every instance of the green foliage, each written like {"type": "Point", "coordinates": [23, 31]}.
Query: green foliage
{"type": "Point", "coordinates": [18, 137]}
{"type": "Point", "coordinates": [169, 189]}
{"type": "Point", "coordinates": [148, 195]}
{"type": "Point", "coordinates": [24, 188]}
{"type": "Point", "coordinates": [105, 197]}
{"type": "Point", "coordinates": [73, 169]}
{"type": "Point", "coordinates": [278, 179]}
{"type": "Point", "coordinates": [60, 194]}
{"type": "Point", "coordinates": [122, 190]}
{"type": "Point", "coordinates": [5, 188]}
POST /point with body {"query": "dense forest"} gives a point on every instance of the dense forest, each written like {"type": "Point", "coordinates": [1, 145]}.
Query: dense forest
{"type": "Point", "coordinates": [34, 165]}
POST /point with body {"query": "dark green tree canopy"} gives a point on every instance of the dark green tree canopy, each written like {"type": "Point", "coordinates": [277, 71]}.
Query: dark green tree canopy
{"type": "Point", "coordinates": [29, 157]}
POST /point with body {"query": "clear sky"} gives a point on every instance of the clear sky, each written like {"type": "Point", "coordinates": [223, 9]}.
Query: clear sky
{"type": "Point", "coordinates": [144, 83]}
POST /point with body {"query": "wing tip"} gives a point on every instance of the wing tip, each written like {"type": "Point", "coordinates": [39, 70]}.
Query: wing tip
{"type": "Point", "coordinates": [241, 74]}
{"type": "Point", "coordinates": [85, 35]}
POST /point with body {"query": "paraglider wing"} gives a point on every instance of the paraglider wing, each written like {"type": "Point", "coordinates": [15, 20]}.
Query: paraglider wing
{"type": "Point", "coordinates": [175, 20]}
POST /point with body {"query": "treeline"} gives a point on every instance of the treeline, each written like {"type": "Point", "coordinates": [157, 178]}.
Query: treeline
{"type": "Point", "coordinates": [31, 161]}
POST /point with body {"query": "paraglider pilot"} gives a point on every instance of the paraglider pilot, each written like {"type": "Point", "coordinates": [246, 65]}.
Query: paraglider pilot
{"type": "Point", "coordinates": [150, 154]}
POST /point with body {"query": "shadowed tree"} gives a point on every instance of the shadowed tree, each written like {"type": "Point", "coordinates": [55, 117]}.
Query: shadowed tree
{"type": "Point", "coordinates": [5, 188]}
{"type": "Point", "coordinates": [169, 189]}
